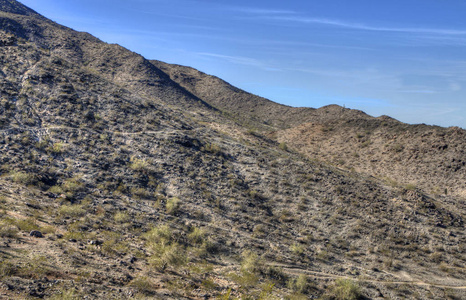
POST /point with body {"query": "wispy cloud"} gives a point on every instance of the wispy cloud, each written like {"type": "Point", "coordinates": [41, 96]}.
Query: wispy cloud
{"type": "Point", "coordinates": [360, 26]}
{"type": "Point", "coordinates": [235, 59]}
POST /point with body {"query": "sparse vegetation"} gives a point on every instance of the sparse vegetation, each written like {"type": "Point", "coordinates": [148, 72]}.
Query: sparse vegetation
{"type": "Point", "coordinates": [122, 177]}
{"type": "Point", "coordinates": [173, 205]}
{"type": "Point", "coordinates": [343, 289]}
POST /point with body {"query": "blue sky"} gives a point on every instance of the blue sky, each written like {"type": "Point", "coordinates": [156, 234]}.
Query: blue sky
{"type": "Point", "coordinates": [405, 59]}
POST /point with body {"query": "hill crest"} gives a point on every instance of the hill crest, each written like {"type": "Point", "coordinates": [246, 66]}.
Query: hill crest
{"type": "Point", "coordinates": [120, 180]}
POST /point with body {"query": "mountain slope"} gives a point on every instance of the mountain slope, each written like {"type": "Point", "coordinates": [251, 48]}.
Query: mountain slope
{"type": "Point", "coordinates": [114, 185]}
{"type": "Point", "coordinates": [430, 157]}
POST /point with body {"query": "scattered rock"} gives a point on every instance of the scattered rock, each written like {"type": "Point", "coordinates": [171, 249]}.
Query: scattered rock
{"type": "Point", "coordinates": [36, 234]}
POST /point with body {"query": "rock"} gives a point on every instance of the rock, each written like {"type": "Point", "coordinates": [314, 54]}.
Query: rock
{"type": "Point", "coordinates": [36, 233]}
{"type": "Point", "coordinates": [95, 242]}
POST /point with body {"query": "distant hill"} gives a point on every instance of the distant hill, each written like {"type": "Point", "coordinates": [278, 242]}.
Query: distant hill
{"type": "Point", "coordinates": [126, 178]}
{"type": "Point", "coordinates": [429, 157]}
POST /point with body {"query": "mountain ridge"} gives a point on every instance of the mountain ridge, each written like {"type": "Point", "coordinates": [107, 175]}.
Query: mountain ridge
{"type": "Point", "coordinates": [11, 6]}
{"type": "Point", "coordinates": [117, 181]}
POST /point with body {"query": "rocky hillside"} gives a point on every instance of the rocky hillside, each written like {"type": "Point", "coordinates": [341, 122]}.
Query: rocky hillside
{"type": "Point", "coordinates": [429, 157]}
{"type": "Point", "coordinates": [118, 181]}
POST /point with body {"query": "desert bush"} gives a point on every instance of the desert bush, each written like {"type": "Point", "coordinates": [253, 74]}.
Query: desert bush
{"type": "Point", "coordinates": [23, 177]}
{"type": "Point", "coordinates": [276, 274]}
{"type": "Point", "coordinates": [142, 285]}
{"type": "Point", "coordinates": [138, 164]}
{"type": "Point", "coordinates": [297, 249]}
{"type": "Point", "coordinates": [343, 289]}
{"type": "Point", "coordinates": [57, 148]}
{"type": "Point", "coordinates": [212, 148]}
{"type": "Point", "coordinates": [27, 224]}
{"type": "Point", "coordinates": [436, 257]}
{"type": "Point", "coordinates": [167, 255]}
{"type": "Point", "coordinates": [410, 187]}
{"type": "Point", "coordinates": [158, 234]}
{"type": "Point", "coordinates": [72, 185]}
{"type": "Point", "coordinates": [165, 251]}
{"type": "Point", "coordinates": [196, 236]}
{"type": "Point", "coordinates": [7, 269]}
{"type": "Point", "coordinates": [121, 217]}
{"type": "Point", "coordinates": [173, 205]}
{"type": "Point", "coordinates": [251, 262]}
{"type": "Point", "coordinates": [299, 285]}
{"type": "Point", "coordinates": [65, 295]}
{"type": "Point", "coordinates": [73, 211]}
{"type": "Point", "coordinates": [8, 230]}
{"type": "Point", "coordinates": [36, 267]}
{"type": "Point", "coordinates": [141, 193]}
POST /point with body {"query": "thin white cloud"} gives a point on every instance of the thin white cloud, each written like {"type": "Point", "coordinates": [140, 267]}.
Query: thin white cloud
{"type": "Point", "coordinates": [234, 59]}
{"type": "Point", "coordinates": [359, 26]}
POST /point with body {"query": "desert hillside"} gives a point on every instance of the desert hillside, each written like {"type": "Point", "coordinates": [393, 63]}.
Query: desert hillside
{"type": "Point", "coordinates": [124, 178]}
{"type": "Point", "coordinates": [429, 157]}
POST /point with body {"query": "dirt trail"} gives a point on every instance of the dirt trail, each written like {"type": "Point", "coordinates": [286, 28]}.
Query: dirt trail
{"type": "Point", "coordinates": [296, 270]}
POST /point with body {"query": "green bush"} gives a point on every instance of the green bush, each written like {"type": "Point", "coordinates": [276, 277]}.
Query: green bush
{"type": "Point", "coordinates": [251, 263]}
{"type": "Point", "coordinates": [23, 177]}
{"type": "Point", "coordinates": [196, 236]}
{"type": "Point", "coordinates": [173, 205]}
{"type": "Point", "coordinates": [165, 251]}
{"type": "Point", "coordinates": [66, 295]}
{"type": "Point", "coordinates": [73, 211]}
{"type": "Point", "coordinates": [57, 148]}
{"type": "Point", "coordinates": [297, 249]}
{"type": "Point", "coordinates": [138, 164]}
{"type": "Point", "coordinates": [299, 285]}
{"type": "Point", "coordinates": [8, 230]}
{"type": "Point", "coordinates": [142, 285]}
{"type": "Point", "coordinates": [167, 255]}
{"type": "Point", "coordinates": [158, 234]}
{"type": "Point", "coordinates": [343, 289]}
{"type": "Point", "coordinates": [7, 269]}
{"type": "Point", "coordinates": [121, 217]}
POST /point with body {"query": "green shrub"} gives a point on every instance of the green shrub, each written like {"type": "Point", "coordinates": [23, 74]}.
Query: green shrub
{"type": "Point", "coordinates": [141, 193]}
{"type": "Point", "coordinates": [57, 148]}
{"type": "Point", "coordinates": [167, 255]}
{"type": "Point", "coordinates": [73, 211]}
{"type": "Point", "coordinates": [251, 262]}
{"type": "Point", "coordinates": [66, 295]}
{"type": "Point", "coordinates": [196, 236]}
{"type": "Point", "coordinates": [28, 224]}
{"type": "Point", "coordinates": [8, 230]}
{"type": "Point", "coordinates": [299, 285]}
{"type": "Point", "coordinates": [410, 187]}
{"type": "Point", "coordinates": [142, 285]}
{"type": "Point", "coordinates": [283, 146]}
{"type": "Point", "coordinates": [297, 249]}
{"type": "Point", "coordinates": [343, 289]}
{"type": "Point", "coordinates": [121, 217]}
{"type": "Point", "coordinates": [158, 234]}
{"type": "Point", "coordinates": [72, 185]}
{"type": "Point", "coordinates": [23, 177]}
{"type": "Point", "coordinates": [7, 269]}
{"type": "Point", "coordinates": [165, 251]}
{"type": "Point", "coordinates": [138, 164]}
{"type": "Point", "coordinates": [173, 205]}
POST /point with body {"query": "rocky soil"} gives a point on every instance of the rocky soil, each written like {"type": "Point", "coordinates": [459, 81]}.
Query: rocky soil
{"type": "Point", "coordinates": [123, 178]}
